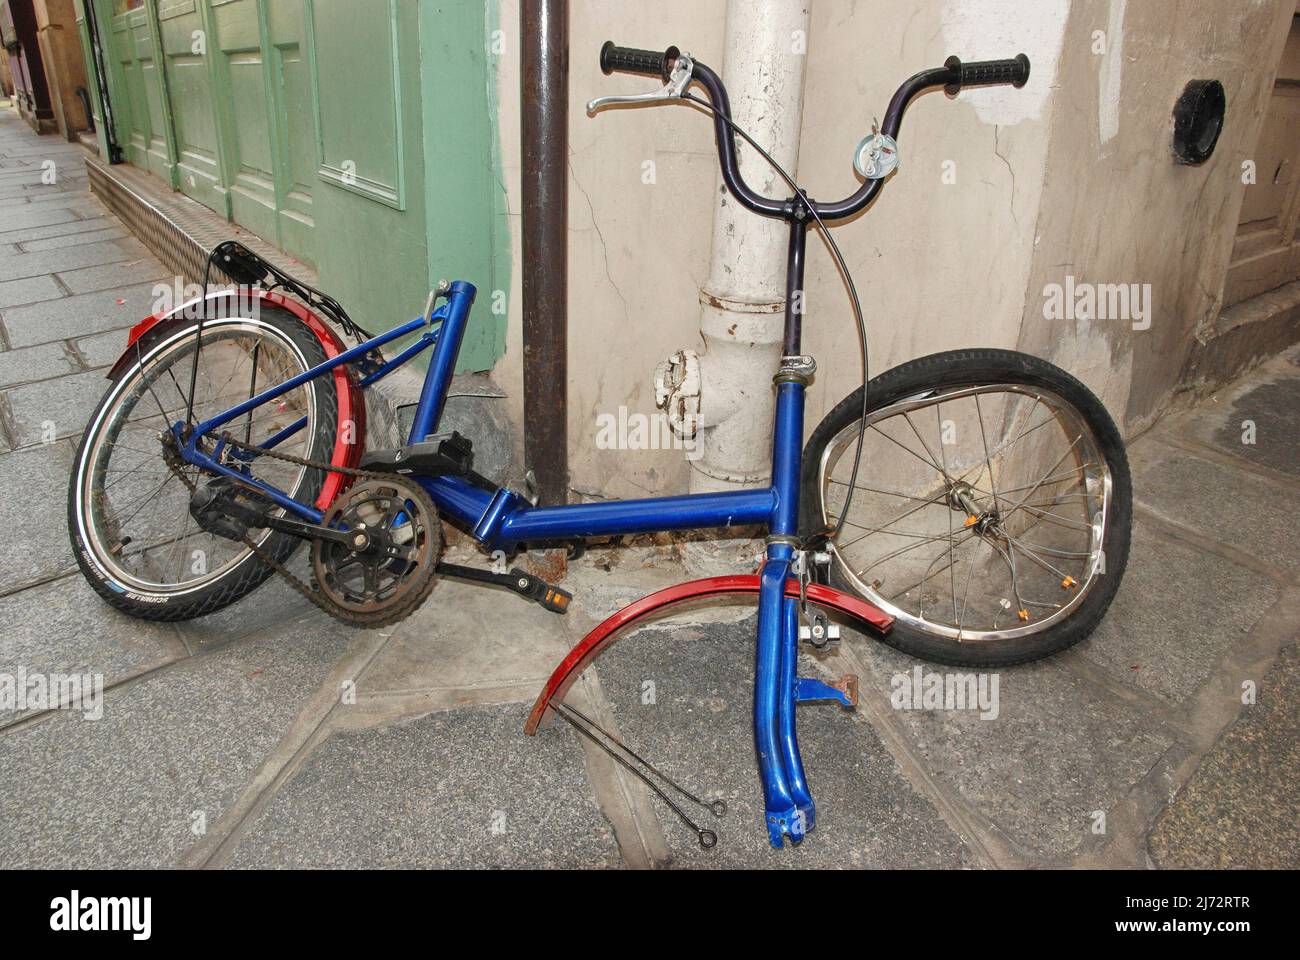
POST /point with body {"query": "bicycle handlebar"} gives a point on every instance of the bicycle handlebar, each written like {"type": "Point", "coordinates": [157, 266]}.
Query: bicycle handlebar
{"type": "Point", "coordinates": [953, 76]}
{"type": "Point", "coordinates": [630, 60]}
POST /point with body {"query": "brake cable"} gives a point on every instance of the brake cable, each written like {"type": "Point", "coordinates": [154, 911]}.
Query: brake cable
{"type": "Point", "coordinates": [843, 266]}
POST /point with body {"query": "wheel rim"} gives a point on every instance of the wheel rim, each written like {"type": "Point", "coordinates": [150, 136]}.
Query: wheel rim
{"type": "Point", "coordinates": [980, 511]}
{"type": "Point", "coordinates": [134, 512]}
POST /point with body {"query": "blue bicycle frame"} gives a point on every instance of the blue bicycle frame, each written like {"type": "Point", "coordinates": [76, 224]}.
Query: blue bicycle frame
{"type": "Point", "coordinates": [499, 517]}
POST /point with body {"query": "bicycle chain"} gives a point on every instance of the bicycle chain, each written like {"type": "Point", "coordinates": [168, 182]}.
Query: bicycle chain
{"type": "Point", "coordinates": [172, 458]}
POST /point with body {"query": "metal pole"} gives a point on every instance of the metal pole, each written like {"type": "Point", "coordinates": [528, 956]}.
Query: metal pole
{"type": "Point", "coordinates": [544, 45]}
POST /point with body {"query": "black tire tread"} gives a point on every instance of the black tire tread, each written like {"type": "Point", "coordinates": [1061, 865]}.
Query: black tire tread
{"type": "Point", "coordinates": [991, 365]}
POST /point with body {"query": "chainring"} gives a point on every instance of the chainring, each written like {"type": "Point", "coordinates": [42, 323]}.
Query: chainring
{"type": "Point", "coordinates": [389, 567]}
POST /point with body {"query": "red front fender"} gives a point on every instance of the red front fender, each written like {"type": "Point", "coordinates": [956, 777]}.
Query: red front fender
{"type": "Point", "coordinates": [351, 399]}
{"type": "Point", "coordinates": [596, 641]}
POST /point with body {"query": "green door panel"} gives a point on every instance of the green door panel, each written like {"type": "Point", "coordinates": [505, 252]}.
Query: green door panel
{"type": "Point", "coordinates": [238, 46]}
{"type": "Point", "coordinates": [189, 84]}
{"type": "Point", "coordinates": [153, 112]}
{"type": "Point", "coordinates": [135, 134]}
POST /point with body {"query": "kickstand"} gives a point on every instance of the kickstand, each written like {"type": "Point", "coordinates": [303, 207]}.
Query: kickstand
{"type": "Point", "coordinates": [621, 752]}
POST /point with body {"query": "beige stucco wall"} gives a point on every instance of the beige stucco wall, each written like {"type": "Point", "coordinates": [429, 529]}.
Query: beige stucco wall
{"type": "Point", "coordinates": [1116, 208]}
{"type": "Point", "coordinates": [1071, 174]}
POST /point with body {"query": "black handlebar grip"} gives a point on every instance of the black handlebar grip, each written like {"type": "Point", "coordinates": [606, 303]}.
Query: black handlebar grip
{"type": "Point", "coordinates": [986, 73]}
{"type": "Point", "coordinates": [630, 60]}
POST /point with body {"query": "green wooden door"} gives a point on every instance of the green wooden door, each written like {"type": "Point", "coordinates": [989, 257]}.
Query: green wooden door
{"type": "Point", "coordinates": [240, 70]}
{"type": "Point", "coordinates": [289, 80]}
{"type": "Point", "coordinates": [183, 40]}
{"type": "Point", "coordinates": [146, 137]}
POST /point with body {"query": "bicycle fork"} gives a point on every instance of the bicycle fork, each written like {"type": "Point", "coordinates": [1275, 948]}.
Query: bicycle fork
{"type": "Point", "coordinates": [789, 808]}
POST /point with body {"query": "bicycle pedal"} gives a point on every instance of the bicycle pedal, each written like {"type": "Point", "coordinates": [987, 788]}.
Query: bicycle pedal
{"type": "Point", "coordinates": [555, 599]}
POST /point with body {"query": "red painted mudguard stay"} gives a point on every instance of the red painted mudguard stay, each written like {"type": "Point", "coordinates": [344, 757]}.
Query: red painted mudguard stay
{"type": "Point", "coordinates": [594, 642]}
{"type": "Point", "coordinates": [351, 398]}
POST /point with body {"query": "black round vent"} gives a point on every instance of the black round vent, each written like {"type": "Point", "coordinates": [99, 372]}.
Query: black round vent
{"type": "Point", "coordinates": [1198, 120]}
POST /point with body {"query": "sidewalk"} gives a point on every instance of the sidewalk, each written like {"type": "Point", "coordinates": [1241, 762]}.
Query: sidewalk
{"type": "Point", "coordinates": [235, 741]}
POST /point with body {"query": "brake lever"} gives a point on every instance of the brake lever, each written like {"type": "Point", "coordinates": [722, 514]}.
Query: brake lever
{"type": "Point", "coordinates": [683, 71]}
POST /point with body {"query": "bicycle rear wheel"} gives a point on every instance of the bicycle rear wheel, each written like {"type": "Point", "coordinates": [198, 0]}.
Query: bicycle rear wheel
{"type": "Point", "coordinates": [129, 517]}
{"type": "Point", "coordinates": [992, 507]}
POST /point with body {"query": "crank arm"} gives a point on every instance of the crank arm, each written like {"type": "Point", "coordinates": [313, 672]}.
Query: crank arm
{"type": "Point", "coordinates": [524, 584]}
{"type": "Point", "coordinates": [305, 530]}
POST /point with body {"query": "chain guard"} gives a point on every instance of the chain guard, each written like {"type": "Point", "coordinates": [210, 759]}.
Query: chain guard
{"type": "Point", "coordinates": [390, 568]}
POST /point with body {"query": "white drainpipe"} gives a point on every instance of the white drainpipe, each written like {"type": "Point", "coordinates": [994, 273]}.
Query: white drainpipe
{"type": "Point", "coordinates": [743, 301]}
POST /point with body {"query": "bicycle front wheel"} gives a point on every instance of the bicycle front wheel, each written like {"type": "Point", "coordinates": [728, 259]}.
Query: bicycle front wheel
{"type": "Point", "coordinates": [991, 511]}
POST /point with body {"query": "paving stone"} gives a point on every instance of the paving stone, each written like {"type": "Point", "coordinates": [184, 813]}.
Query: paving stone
{"type": "Point", "coordinates": [23, 219]}
{"type": "Point", "coordinates": [90, 279]}
{"type": "Point", "coordinates": [1240, 808]}
{"type": "Point", "coordinates": [70, 228]}
{"type": "Point", "coordinates": [1194, 491]}
{"type": "Point", "coordinates": [76, 239]}
{"type": "Point", "coordinates": [15, 293]}
{"type": "Point", "coordinates": [102, 349]}
{"type": "Point", "coordinates": [59, 197]}
{"type": "Point", "coordinates": [1178, 612]}
{"type": "Point", "coordinates": [34, 363]}
{"type": "Point", "coordinates": [87, 255]}
{"type": "Point", "coordinates": [1058, 750]}
{"type": "Point", "coordinates": [699, 731]}
{"type": "Point", "coordinates": [460, 789]}
{"type": "Point", "coordinates": [446, 643]}
{"type": "Point", "coordinates": [123, 791]}
{"type": "Point", "coordinates": [66, 403]}
{"type": "Point", "coordinates": [64, 627]}
{"type": "Point", "coordinates": [33, 509]}
{"type": "Point", "coordinates": [1274, 410]}
{"type": "Point", "coordinates": [79, 316]}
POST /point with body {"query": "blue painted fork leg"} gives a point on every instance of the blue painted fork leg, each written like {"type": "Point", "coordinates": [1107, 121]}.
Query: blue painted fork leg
{"type": "Point", "coordinates": [789, 806]}
{"type": "Point", "coordinates": [781, 811]}
{"type": "Point", "coordinates": [785, 722]}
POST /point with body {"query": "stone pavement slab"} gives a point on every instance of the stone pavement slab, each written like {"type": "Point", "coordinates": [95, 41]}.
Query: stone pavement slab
{"type": "Point", "coordinates": [1059, 749]}
{"type": "Point", "coordinates": [15, 293]}
{"type": "Point", "coordinates": [58, 408]}
{"type": "Point", "coordinates": [96, 235]}
{"type": "Point", "coordinates": [70, 228]}
{"type": "Point", "coordinates": [40, 362]}
{"type": "Point", "coordinates": [34, 509]}
{"type": "Point", "coordinates": [1178, 612]}
{"type": "Point", "coordinates": [1226, 504]}
{"type": "Point", "coordinates": [71, 258]}
{"type": "Point", "coordinates": [449, 643]}
{"type": "Point", "coordinates": [112, 275]}
{"type": "Point", "coordinates": [78, 316]}
{"type": "Point", "coordinates": [462, 788]}
{"type": "Point", "coordinates": [699, 730]}
{"type": "Point", "coordinates": [64, 627]}
{"type": "Point", "coordinates": [101, 349]}
{"type": "Point", "coordinates": [26, 218]}
{"type": "Point", "coordinates": [172, 751]}
{"type": "Point", "coordinates": [1240, 808]}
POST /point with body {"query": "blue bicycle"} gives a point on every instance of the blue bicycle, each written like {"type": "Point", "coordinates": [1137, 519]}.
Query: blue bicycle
{"type": "Point", "coordinates": [971, 507]}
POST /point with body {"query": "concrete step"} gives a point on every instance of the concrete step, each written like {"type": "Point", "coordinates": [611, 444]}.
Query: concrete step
{"type": "Point", "coordinates": [1244, 335]}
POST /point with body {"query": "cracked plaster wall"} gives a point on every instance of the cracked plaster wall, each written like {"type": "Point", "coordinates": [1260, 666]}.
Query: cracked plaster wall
{"type": "Point", "coordinates": [1073, 170]}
